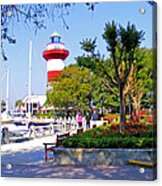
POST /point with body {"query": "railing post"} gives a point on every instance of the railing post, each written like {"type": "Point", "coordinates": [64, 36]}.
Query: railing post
{"type": "Point", "coordinates": [5, 135]}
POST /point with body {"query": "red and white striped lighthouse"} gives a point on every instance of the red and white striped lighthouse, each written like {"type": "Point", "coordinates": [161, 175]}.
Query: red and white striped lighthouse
{"type": "Point", "coordinates": [55, 54]}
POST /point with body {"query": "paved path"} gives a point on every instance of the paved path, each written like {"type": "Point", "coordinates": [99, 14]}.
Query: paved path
{"type": "Point", "coordinates": [27, 160]}
{"type": "Point", "coordinates": [77, 172]}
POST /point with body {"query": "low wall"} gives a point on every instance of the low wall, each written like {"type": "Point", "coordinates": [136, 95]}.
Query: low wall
{"type": "Point", "coordinates": [71, 156]}
{"type": "Point", "coordinates": [97, 123]}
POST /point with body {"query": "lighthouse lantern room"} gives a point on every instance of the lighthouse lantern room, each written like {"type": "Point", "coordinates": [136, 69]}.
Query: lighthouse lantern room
{"type": "Point", "coordinates": [55, 54]}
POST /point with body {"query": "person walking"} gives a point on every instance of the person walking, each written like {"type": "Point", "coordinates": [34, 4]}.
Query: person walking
{"type": "Point", "coordinates": [94, 116]}
{"type": "Point", "coordinates": [88, 118]}
{"type": "Point", "coordinates": [79, 119]}
{"type": "Point", "coordinates": [94, 119]}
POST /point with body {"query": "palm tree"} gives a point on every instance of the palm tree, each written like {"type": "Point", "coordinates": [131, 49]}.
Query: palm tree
{"type": "Point", "coordinates": [19, 104]}
{"type": "Point", "coordinates": [88, 45]}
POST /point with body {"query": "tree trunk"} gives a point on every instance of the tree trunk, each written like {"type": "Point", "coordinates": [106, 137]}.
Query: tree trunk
{"type": "Point", "coordinates": [122, 108]}
{"type": "Point", "coordinates": [89, 102]}
{"type": "Point", "coordinates": [135, 109]}
{"type": "Point", "coordinates": [130, 108]}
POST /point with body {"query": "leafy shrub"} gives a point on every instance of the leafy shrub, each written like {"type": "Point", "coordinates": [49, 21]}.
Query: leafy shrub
{"type": "Point", "coordinates": [135, 136]}
{"type": "Point", "coordinates": [110, 117]}
{"type": "Point", "coordinates": [109, 142]}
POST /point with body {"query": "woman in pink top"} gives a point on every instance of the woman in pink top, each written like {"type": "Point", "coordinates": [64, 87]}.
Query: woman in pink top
{"type": "Point", "coordinates": [79, 119]}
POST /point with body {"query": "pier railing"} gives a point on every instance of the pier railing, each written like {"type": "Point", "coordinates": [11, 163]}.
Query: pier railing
{"type": "Point", "coordinates": [59, 125]}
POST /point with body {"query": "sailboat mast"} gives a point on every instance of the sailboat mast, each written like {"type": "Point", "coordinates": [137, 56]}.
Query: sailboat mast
{"type": "Point", "coordinates": [7, 91]}
{"type": "Point", "coordinates": [29, 80]}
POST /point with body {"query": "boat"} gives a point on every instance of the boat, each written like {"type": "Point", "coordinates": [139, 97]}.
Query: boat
{"type": "Point", "coordinates": [5, 118]}
{"type": "Point", "coordinates": [19, 122]}
{"type": "Point", "coordinates": [12, 133]}
{"type": "Point", "coordinates": [42, 122]}
{"type": "Point", "coordinates": [19, 118]}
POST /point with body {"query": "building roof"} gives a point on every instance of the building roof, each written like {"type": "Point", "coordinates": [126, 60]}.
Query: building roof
{"type": "Point", "coordinates": [55, 34]}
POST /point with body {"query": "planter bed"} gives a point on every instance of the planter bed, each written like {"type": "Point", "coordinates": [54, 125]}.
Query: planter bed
{"type": "Point", "coordinates": [115, 157]}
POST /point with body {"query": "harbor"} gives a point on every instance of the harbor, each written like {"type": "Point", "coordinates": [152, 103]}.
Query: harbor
{"type": "Point", "coordinates": [25, 123]}
{"type": "Point", "coordinates": [12, 133]}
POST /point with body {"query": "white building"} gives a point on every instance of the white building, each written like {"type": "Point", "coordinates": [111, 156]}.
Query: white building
{"type": "Point", "coordinates": [37, 102]}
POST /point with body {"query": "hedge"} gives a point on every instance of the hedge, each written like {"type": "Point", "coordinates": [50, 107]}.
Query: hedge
{"type": "Point", "coordinates": [109, 142]}
{"type": "Point", "coordinates": [136, 136]}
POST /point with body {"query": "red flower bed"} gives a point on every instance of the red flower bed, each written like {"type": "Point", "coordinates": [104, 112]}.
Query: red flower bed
{"type": "Point", "coordinates": [131, 129]}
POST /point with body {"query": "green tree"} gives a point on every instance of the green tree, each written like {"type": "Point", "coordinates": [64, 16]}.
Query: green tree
{"type": "Point", "coordinates": [122, 44]}
{"type": "Point", "coordinates": [141, 80]}
{"type": "Point", "coordinates": [71, 90]}
{"type": "Point", "coordinates": [103, 95]}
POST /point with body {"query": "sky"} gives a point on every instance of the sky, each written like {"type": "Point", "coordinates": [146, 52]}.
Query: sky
{"type": "Point", "coordinates": [82, 24]}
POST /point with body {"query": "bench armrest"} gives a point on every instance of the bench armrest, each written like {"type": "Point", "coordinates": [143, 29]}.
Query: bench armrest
{"type": "Point", "coordinates": [47, 149]}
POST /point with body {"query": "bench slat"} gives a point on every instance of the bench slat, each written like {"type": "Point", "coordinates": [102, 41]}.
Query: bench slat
{"type": "Point", "coordinates": [49, 143]}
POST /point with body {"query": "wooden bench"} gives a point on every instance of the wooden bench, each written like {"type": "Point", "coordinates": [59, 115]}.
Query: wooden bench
{"type": "Point", "coordinates": [48, 147]}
